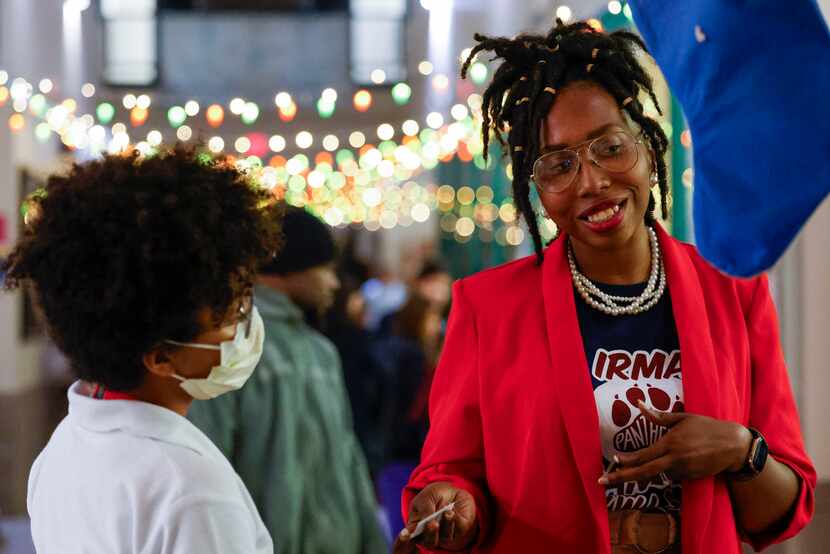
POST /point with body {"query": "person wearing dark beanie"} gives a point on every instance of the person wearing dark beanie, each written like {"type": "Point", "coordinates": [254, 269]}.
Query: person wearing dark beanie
{"type": "Point", "coordinates": [308, 243]}
{"type": "Point", "coordinates": [289, 431]}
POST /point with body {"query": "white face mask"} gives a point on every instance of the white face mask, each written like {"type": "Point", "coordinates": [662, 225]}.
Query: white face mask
{"type": "Point", "coordinates": [239, 358]}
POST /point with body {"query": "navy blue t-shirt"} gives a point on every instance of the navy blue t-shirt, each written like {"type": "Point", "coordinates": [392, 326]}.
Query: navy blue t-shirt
{"type": "Point", "coordinates": [633, 357]}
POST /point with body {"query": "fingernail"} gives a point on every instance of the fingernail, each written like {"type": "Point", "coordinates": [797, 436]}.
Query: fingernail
{"type": "Point", "coordinates": [603, 480]}
{"type": "Point", "coordinates": [405, 534]}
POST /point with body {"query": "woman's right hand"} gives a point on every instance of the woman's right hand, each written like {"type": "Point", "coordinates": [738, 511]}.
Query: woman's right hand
{"type": "Point", "coordinates": [453, 531]}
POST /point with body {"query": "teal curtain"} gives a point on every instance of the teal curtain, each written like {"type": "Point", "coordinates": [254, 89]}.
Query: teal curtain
{"type": "Point", "coordinates": [482, 250]}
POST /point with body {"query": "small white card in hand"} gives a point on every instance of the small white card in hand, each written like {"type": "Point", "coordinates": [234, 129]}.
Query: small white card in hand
{"type": "Point", "coordinates": [423, 523]}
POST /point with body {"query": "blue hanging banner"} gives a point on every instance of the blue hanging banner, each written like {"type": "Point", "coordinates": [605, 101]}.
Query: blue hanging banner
{"type": "Point", "coordinates": [754, 81]}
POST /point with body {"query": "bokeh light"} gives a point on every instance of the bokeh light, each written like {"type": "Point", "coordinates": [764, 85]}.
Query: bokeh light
{"type": "Point", "coordinates": [378, 76]}
{"type": "Point", "coordinates": [184, 133]}
{"type": "Point", "coordinates": [105, 112]}
{"type": "Point", "coordinates": [435, 120]}
{"type": "Point", "coordinates": [564, 13]}
{"type": "Point", "coordinates": [329, 95]}
{"type": "Point", "coordinates": [459, 112]}
{"type": "Point", "coordinates": [216, 144]}
{"type": "Point", "coordinates": [250, 113]}
{"type": "Point", "coordinates": [386, 131]}
{"type": "Point", "coordinates": [357, 139]}
{"type": "Point", "coordinates": [215, 115]}
{"type": "Point", "coordinates": [17, 122]}
{"type": "Point", "coordinates": [45, 86]}
{"type": "Point", "coordinates": [154, 138]}
{"type": "Point", "coordinates": [362, 100]}
{"type": "Point", "coordinates": [283, 100]}
{"type": "Point", "coordinates": [237, 106]}
{"type": "Point", "coordinates": [276, 143]}
{"type": "Point", "coordinates": [138, 116]}
{"type": "Point", "coordinates": [478, 73]}
{"type": "Point", "coordinates": [440, 82]}
{"type": "Point", "coordinates": [325, 108]}
{"type": "Point", "coordinates": [419, 212]}
{"type": "Point", "coordinates": [288, 113]}
{"type": "Point", "coordinates": [242, 145]}
{"type": "Point", "coordinates": [331, 143]}
{"type": "Point", "coordinates": [410, 127]}
{"type": "Point", "coordinates": [43, 132]}
{"type": "Point", "coordinates": [304, 139]}
{"type": "Point", "coordinates": [401, 93]}
{"type": "Point", "coordinates": [176, 116]}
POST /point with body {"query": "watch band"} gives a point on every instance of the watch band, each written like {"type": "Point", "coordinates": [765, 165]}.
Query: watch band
{"type": "Point", "coordinates": [756, 459]}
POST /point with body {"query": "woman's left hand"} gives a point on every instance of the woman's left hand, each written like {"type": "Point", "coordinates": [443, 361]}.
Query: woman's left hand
{"type": "Point", "coordinates": [694, 446]}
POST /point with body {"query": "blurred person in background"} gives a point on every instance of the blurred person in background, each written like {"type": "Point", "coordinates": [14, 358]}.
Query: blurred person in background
{"type": "Point", "coordinates": [363, 375]}
{"type": "Point", "coordinates": [433, 284]}
{"type": "Point", "coordinates": [384, 295]}
{"type": "Point", "coordinates": [289, 432]}
{"type": "Point", "coordinates": [409, 354]}
{"type": "Point", "coordinates": [143, 269]}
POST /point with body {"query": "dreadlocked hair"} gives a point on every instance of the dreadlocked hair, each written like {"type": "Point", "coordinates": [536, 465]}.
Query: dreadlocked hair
{"type": "Point", "coordinates": [525, 86]}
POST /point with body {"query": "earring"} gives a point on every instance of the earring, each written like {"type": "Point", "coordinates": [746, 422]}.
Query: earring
{"type": "Point", "coordinates": [654, 179]}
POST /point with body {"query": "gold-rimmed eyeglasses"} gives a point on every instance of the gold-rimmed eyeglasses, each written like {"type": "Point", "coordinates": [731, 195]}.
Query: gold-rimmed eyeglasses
{"type": "Point", "coordinates": [615, 152]}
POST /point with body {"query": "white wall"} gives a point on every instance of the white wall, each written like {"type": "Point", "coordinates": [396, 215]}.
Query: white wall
{"type": "Point", "coordinates": [30, 34]}
{"type": "Point", "coordinates": [815, 282]}
{"type": "Point", "coordinates": [806, 325]}
{"type": "Point", "coordinates": [825, 7]}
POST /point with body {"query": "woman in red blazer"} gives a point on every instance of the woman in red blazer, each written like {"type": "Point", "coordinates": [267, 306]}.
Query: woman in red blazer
{"type": "Point", "coordinates": [614, 388]}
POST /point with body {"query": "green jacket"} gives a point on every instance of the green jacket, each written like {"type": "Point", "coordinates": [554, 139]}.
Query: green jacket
{"type": "Point", "coordinates": [288, 433]}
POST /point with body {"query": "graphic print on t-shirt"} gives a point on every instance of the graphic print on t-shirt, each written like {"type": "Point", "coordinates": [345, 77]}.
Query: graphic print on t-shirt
{"type": "Point", "coordinates": [630, 358]}
{"type": "Point", "coordinates": [623, 378]}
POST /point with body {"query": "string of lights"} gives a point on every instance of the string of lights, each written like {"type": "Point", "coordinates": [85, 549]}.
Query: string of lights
{"type": "Point", "coordinates": [361, 183]}
{"type": "Point", "coordinates": [350, 180]}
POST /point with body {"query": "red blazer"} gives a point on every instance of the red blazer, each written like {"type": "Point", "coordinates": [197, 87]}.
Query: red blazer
{"type": "Point", "coordinates": [514, 420]}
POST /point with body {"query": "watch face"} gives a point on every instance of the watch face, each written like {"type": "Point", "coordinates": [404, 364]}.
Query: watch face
{"type": "Point", "coordinates": [761, 453]}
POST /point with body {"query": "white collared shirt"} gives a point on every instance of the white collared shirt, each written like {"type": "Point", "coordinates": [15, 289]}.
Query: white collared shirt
{"type": "Point", "coordinates": [128, 477]}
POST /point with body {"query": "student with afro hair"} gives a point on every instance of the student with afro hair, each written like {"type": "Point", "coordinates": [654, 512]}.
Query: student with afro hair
{"type": "Point", "coordinates": [143, 269]}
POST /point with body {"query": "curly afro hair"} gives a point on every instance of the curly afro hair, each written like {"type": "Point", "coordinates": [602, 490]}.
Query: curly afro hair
{"type": "Point", "coordinates": [125, 252]}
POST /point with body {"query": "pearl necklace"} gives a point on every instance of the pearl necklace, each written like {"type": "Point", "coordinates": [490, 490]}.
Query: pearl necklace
{"type": "Point", "coordinates": [623, 305]}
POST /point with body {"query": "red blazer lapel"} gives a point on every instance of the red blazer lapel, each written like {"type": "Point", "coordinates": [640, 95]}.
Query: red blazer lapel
{"type": "Point", "coordinates": [700, 382]}
{"type": "Point", "coordinates": [571, 378]}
